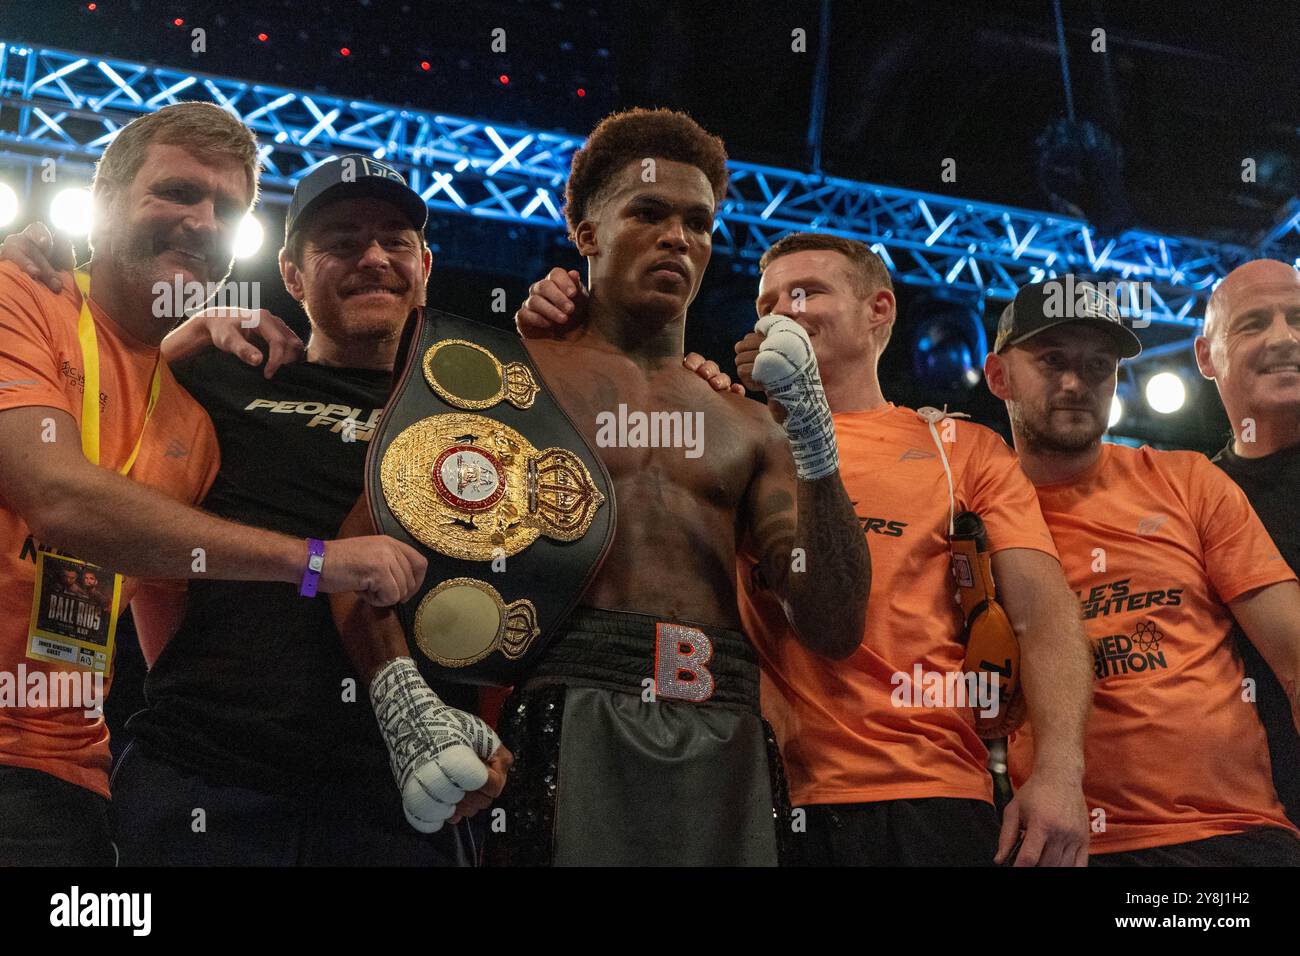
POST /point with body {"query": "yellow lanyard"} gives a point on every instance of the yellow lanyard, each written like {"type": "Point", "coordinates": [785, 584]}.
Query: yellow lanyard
{"type": "Point", "coordinates": [90, 399]}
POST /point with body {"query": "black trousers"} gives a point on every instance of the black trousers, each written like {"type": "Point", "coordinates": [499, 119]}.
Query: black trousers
{"type": "Point", "coordinates": [167, 815]}
{"type": "Point", "coordinates": [935, 831]}
{"type": "Point", "coordinates": [1265, 846]}
{"type": "Point", "coordinates": [46, 821]}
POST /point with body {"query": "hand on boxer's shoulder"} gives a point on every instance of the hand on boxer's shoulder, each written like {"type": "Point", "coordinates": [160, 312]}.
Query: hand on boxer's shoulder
{"type": "Point", "coordinates": [40, 254]}
{"type": "Point", "coordinates": [711, 373]}
{"type": "Point", "coordinates": [555, 305]}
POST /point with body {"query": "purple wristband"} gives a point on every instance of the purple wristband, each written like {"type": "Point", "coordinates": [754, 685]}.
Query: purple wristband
{"type": "Point", "coordinates": [315, 562]}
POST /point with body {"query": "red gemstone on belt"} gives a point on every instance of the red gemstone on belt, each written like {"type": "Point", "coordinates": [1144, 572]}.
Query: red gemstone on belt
{"type": "Point", "coordinates": [468, 477]}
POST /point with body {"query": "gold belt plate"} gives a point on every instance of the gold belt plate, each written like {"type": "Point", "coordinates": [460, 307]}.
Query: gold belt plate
{"type": "Point", "coordinates": [466, 375]}
{"type": "Point", "coordinates": [472, 488]}
{"type": "Point", "coordinates": [463, 620]}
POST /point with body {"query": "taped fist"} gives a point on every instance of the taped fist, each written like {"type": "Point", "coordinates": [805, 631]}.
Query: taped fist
{"type": "Point", "coordinates": [438, 753]}
{"type": "Point", "coordinates": [785, 367]}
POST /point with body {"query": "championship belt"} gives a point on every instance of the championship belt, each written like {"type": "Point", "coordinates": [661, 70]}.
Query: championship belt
{"type": "Point", "coordinates": [477, 466]}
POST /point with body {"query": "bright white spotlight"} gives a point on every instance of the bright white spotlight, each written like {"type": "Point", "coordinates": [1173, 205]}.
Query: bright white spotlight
{"type": "Point", "coordinates": [249, 237]}
{"type": "Point", "coordinates": [8, 204]}
{"type": "Point", "coordinates": [1116, 411]}
{"type": "Point", "coordinates": [70, 211]}
{"type": "Point", "coordinates": [1166, 393]}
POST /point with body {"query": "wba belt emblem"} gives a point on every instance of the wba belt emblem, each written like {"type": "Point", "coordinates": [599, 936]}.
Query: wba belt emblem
{"type": "Point", "coordinates": [472, 488]}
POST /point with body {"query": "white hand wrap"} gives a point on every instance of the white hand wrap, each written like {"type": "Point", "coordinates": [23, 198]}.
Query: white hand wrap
{"type": "Point", "coordinates": [787, 369]}
{"type": "Point", "coordinates": [436, 751]}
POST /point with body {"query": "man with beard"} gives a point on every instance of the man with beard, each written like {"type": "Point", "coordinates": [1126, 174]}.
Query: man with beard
{"type": "Point", "coordinates": [637, 733]}
{"type": "Point", "coordinates": [102, 454]}
{"type": "Point", "coordinates": [90, 587]}
{"type": "Point", "coordinates": [1250, 347]}
{"type": "Point", "coordinates": [1164, 552]}
{"type": "Point", "coordinates": [292, 771]}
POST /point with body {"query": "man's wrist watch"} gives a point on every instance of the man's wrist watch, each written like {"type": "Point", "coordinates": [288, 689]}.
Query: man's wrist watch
{"type": "Point", "coordinates": [315, 562]}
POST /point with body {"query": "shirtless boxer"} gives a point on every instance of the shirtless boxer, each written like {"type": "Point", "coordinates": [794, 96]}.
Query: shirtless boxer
{"type": "Point", "coordinates": [652, 687]}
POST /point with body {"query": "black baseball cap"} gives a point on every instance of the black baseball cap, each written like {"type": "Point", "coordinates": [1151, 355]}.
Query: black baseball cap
{"type": "Point", "coordinates": [348, 177]}
{"type": "Point", "coordinates": [1061, 301]}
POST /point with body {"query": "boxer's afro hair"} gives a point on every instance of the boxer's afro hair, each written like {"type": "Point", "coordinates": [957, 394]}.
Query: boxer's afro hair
{"type": "Point", "coordinates": [635, 135]}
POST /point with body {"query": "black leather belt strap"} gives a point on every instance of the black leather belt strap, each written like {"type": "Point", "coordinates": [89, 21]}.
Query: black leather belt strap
{"type": "Point", "coordinates": [616, 650]}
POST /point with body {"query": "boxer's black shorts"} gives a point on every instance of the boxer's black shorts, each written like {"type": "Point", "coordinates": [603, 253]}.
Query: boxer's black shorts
{"type": "Point", "coordinates": [603, 776]}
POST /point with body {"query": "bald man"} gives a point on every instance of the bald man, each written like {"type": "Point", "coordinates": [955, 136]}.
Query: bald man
{"type": "Point", "coordinates": [1250, 346]}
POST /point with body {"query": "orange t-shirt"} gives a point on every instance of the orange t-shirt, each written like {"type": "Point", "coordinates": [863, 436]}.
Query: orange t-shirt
{"type": "Point", "coordinates": [842, 738]}
{"type": "Point", "coordinates": [41, 365]}
{"type": "Point", "coordinates": [1173, 752]}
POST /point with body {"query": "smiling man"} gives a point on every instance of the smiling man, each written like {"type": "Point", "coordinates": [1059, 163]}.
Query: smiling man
{"type": "Point", "coordinates": [257, 707]}
{"type": "Point", "coordinates": [1250, 347]}
{"type": "Point", "coordinates": [897, 786]}
{"type": "Point", "coordinates": [103, 453]}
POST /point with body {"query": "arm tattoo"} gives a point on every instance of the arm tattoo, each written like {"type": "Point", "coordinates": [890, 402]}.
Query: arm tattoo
{"type": "Point", "coordinates": [825, 596]}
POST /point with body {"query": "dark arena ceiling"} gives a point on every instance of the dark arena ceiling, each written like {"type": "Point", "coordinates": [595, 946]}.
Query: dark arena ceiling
{"type": "Point", "coordinates": [1185, 96]}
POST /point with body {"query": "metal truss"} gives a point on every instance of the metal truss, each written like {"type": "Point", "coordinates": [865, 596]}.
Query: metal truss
{"type": "Point", "coordinates": [972, 249]}
{"type": "Point", "coordinates": [65, 105]}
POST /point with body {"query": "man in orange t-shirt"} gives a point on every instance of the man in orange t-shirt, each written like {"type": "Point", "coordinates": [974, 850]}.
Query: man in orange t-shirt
{"type": "Point", "coordinates": [888, 773]}
{"type": "Point", "coordinates": [40, 361]}
{"type": "Point", "coordinates": [1163, 551]}
{"type": "Point", "coordinates": [170, 192]}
